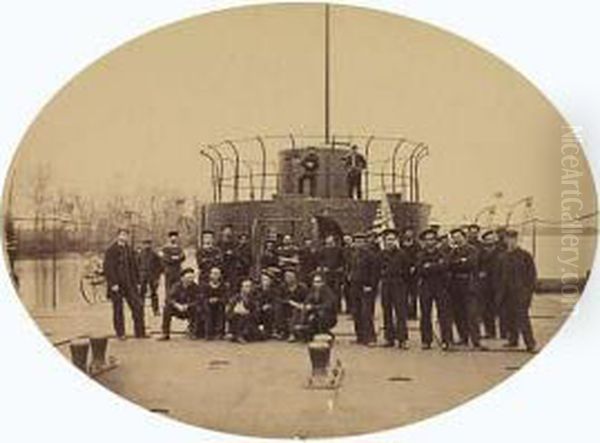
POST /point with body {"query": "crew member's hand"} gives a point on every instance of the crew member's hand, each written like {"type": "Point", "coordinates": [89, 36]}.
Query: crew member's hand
{"type": "Point", "coordinates": [368, 289]}
{"type": "Point", "coordinates": [114, 288]}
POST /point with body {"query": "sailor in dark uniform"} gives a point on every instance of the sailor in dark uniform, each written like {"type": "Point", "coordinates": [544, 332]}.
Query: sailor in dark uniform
{"type": "Point", "coordinates": [463, 263]}
{"type": "Point", "coordinates": [231, 264]}
{"type": "Point", "coordinates": [244, 254]}
{"type": "Point", "coordinates": [269, 258]}
{"type": "Point", "coordinates": [184, 301]}
{"type": "Point", "coordinates": [410, 246]}
{"type": "Point", "coordinates": [309, 260]}
{"type": "Point", "coordinates": [331, 265]}
{"type": "Point", "coordinates": [122, 279]}
{"type": "Point", "coordinates": [310, 166]}
{"type": "Point", "coordinates": [432, 272]}
{"type": "Point", "coordinates": [488, 282]}
{"type": "Point", "coordinates": [288, 254]}
{"type": "Point", "coordinates": [150, 266]}
{"type": "Point", "coordinates": [363, 275]}
{"type": "Point", "coordinates": [394, 268]}
{"type": "Point", "coordinates": [517, 277]}
{"type": "Point", "coordinates": [317, 314]}
{"type": "Point", "coordinates": [172, 257]}
{"type": "Point", "coordinates": [472, 231]}
{"type": "Point", "coordinates": [268, 296]}
{"type": "Point", "coordinates": [355, 164]}
{"type": "Point", "coordinates": [242, 313]}
{"type": "Point", "coordinates": [347, 251]}
{"type": "Point", "coordinates": [292, 291]}
{"type": "Point", "coordinates": [208, 255]}
{"type": "Point", "coordinates": [215, 298]}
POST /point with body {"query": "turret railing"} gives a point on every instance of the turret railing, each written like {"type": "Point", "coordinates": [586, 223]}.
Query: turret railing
{"type": "Point", "coordinates": [246, 168]}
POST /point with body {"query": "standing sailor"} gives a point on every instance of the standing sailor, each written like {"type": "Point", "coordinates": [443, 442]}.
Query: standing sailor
{"type": "Point", "coordinates": [310, 166]}
{"type": "Point", "coordinates": [363, 275]}
{"type": "Point", "coordinates": [172, 257]}
{"type": "Point", "coordinates": [231, 264]}
{"type": "Point", "coordinates": [394, 268]}
{"type": "Point", "coordinates": [464, 264]}
{"type": "Point", "coordinates": [150, 266]}
{"type": "Point", "coordinates": [411, 248]}
{"type": "Point", "coordinates": [517, 275]}
{"type": "Point", "coordinates": [208, 256]}
{"type": "Point", "coordinates": [331, 264]}
{"type": "Point", "coordinates": [432, 270]}
{"type": "Point", "coordinates": [355, 164]}
{"type": "Point", "coordinates": [488, 282]}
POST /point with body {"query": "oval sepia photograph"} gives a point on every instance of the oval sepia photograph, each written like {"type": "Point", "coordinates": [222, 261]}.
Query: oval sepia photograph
{"type": "Point", "coordinates": [299, 221]}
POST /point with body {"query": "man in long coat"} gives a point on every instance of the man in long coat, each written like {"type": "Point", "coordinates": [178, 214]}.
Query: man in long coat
{"type": "Point", "coordinates": [517, 275]}
{"type": "Point", "coordinates": [122, 279]}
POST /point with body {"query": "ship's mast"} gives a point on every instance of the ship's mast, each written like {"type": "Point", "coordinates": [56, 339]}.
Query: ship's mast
{"type": "Point", "coordinates": [327, 87]}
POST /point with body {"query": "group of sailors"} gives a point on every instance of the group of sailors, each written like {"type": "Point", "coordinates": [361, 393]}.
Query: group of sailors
{"type": "Point", "coordinates": [480, 283]}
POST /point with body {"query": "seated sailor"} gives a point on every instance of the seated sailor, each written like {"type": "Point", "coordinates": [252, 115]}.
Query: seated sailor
{"type": "Point", "coordinates": [183, 301]}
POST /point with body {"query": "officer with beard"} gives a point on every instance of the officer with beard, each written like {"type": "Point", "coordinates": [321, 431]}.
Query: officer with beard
{"type": "Point", "coordinates": [122, 279]}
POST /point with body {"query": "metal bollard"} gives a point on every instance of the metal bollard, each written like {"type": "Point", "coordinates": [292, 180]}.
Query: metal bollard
{"type": "Point", "coordinates": [320, 354]}
{"type": "Point", "coordinates": [324, 338]}
{"type": "Point", "coordinates": [79, 354]}
{"type": "Point", "coordinates": [99, 346]}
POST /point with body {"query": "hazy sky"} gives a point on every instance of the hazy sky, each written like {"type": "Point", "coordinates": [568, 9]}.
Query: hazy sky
{"type": "Point", "coordinates": [136, 118]}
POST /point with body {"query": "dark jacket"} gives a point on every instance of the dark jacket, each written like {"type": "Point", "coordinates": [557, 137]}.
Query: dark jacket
{"type": "Point", "coordinates": [489, 267]}
{"type": "Point", "coordinates": [269, 259]}
{"type": "Point", "coordinates": [214, 295]}
{"type": "Point", "coordinates": [309, 260]}
{"type": "Point", "coordinates": [299, 294]}
{"type": "Point", "coordinates": [323, 301]}
{"type": "Point", "coordinates": [310, 163]}
{"type": "Point", "coordinates": [120, 267]}
{"type": "Point", "coordinates": [149, 264]}
{"type": "Point", "coordinates": [517, 275]}
{"type": "Point", "coordinates": [354, 162]}
{"type": "Point", "coordinates": [463, 261]}
{"type": "Point", "coordinates": [190, 295]}
{"type": "Point", "coordinates": [363, 268]}
{"type": "Point", "coordinates": [332, 258]}
{"type": "Point", "coordinates": [247, 301]}
{"type": "Point", "coordinates": [230, 260]}
{"type": "Point", "coordinates": [432, 267]}
{"type": "Point", "coordinates": [244, 253]}
{"type": "Point", "coordinates": [206, 259]}
{"type": "Point", "coordinates": [394, 264]}
{"type": "Point", "coordinates": [412, 251]}
{"type": "Point", "coordinates": [173, 257]}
